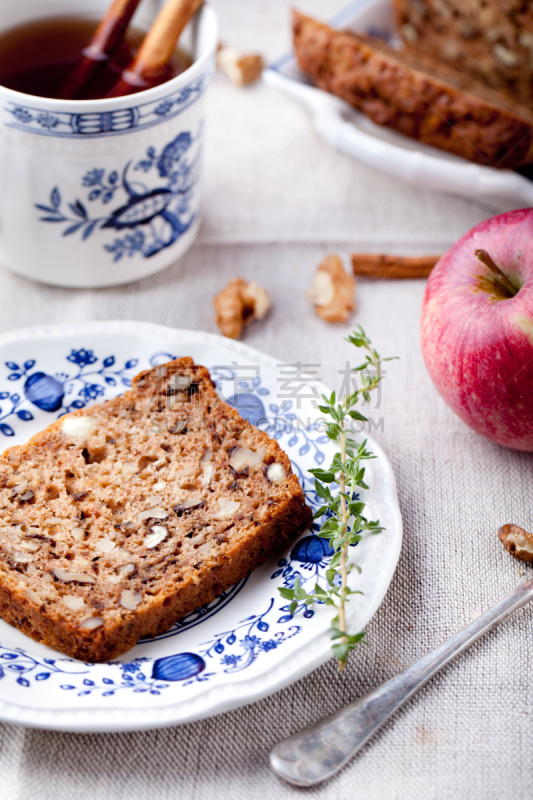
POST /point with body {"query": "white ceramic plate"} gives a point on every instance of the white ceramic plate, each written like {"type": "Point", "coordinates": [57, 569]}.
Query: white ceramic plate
{"type": "Point", "coordinates": [245, 644]}
{"type": "Point", "coordinates": [354, 134]}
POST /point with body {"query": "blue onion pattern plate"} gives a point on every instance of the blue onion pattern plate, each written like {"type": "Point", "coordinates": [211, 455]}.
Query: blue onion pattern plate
{"type": "Point", "coordinates": [245, 644]}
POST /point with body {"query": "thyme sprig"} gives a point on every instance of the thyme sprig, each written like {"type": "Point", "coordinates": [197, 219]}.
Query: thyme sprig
{"type": "Point", "coordinates": [343, 512]}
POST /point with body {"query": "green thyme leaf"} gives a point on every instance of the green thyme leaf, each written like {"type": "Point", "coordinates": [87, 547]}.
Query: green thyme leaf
{"type": "Point", "coordinates": [287, 594]}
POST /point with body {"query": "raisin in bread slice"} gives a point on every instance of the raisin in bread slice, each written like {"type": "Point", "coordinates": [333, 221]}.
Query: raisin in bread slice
{"type": "Point", "coordinates": [427, 101]}
{"type": "Point", "coordinates": [117, 520]}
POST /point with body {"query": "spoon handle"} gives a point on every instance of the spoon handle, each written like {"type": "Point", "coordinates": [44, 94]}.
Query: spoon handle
{"type": "Point", "coordinates": [318, 752]}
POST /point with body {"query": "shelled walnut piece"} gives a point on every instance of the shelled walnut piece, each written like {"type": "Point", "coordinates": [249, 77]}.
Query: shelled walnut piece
{"type": "Point", "coordinates": [517, 541]}
{"type": "Point", "coordinates": [94, 555]}
{"type": "Point", "coordinates": [241, 68]}
{"type": "Point", "coordinates": [332, 291]}
{"type": "Point", "coordinates": [239, 303]}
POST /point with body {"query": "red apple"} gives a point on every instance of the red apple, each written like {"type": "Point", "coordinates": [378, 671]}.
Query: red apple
{"type": "Point", "coordinates": [477, 328]}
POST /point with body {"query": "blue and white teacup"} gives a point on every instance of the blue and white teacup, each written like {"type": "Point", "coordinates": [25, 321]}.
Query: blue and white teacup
{"type": "Point", "coordinates": [102, 192]}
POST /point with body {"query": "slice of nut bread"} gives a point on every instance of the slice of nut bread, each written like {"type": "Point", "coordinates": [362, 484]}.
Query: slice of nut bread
{"type": "Point", "coordinates": [417, 96]}
{"type": "Point", "coordinates": [117, 520]}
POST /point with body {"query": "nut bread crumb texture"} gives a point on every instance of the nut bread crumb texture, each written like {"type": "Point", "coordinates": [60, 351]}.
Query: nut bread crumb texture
{"type": "Point", "coordinates": [427, 100]}
{"type": "Point", "coordinates": [117, 520]}
{"type": "Point", "coordinates": [489, 40]}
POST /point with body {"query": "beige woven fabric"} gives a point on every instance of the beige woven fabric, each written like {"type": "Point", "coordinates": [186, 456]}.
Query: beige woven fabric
{"type": "Point", "coordinates": [277, 199]}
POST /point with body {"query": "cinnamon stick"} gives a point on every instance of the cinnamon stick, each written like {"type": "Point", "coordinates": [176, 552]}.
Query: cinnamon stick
{"type": "Point", "coordinates": [105, 40]}
{"type": "Point", "coordinates": [379, 265]}
{"type": "Point", "coordinates": [150, 65]}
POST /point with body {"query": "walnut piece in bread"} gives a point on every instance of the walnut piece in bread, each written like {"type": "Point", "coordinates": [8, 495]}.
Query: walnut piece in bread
{"type": "Point", "coordinates": [239, 303]}
{"type": "Point", "coordinates": [517, 541]}
{"type": "Point", "coordinates": [332, 291]}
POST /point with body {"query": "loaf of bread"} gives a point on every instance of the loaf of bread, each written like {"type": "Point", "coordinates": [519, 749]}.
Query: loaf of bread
{"type": "Point", "coordinates": [491, 40]}
{"type": "Point", "coordinates": [117, 520]}
{"type": "Point", "coordinates": [433, 104]}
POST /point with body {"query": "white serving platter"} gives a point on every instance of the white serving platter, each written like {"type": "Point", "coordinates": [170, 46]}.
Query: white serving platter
{"type": "Point", "coordinates": [384, 149]}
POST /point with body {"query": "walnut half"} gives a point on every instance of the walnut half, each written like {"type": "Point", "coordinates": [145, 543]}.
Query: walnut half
{"type": "Point", "coordinates": [517, 541]}
{"type": "Point", "coordinates": [241, 68]}
{"type": "Point", "coordinates": [238, 304]}
{"type": "Point", "coordinates": [333, 291]}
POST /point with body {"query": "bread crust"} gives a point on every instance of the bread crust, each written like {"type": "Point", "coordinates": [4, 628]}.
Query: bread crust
{"type": "Point", "coordinates": [242, 544]}
{"type": "Point", "coordinates": [414, 97]}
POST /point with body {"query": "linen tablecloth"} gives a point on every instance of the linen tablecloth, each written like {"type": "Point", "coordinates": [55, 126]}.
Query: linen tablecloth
{"type": "Point", "coordinates": [277, 198]}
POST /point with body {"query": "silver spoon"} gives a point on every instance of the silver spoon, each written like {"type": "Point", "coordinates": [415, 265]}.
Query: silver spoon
{"type": "Point", "coordinates": [319, 752]}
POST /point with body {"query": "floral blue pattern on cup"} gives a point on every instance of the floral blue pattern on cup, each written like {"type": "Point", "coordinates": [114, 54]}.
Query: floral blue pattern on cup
{"type": "Point", "coordinates": [148, 219]}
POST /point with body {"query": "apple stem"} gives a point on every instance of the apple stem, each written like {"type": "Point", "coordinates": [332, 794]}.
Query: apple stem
{"type": "Point", "coordinates": [503, 282]}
